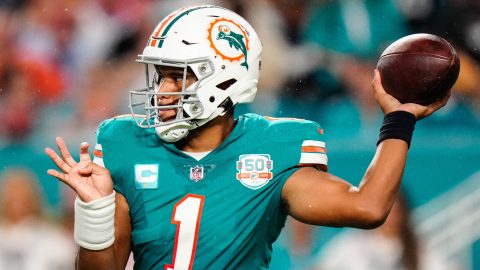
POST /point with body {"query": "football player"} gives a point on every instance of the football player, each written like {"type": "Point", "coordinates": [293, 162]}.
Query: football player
{"type": "Point", "coordinates": [186, 185]}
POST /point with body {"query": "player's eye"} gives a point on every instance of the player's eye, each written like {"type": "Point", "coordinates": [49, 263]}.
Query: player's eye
{"type": "Point", "coordinates": [177, 78]}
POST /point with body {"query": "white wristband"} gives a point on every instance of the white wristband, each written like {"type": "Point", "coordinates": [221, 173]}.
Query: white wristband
{"type": "Point", "coordinates": [94, 223]}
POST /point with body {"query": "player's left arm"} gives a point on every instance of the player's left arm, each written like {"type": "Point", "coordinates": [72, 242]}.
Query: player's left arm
{"type": "Point", "coordinates": [317, 197]}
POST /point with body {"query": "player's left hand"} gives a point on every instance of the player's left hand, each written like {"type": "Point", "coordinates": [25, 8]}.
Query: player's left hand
{"type": "Point", "coordinates": [89, 180]}
{"type": "Point", "coordinates": [390, 104]}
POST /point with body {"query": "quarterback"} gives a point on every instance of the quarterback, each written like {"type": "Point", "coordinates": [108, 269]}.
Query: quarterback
{"type": "Point", "coordinates": [183, 184]}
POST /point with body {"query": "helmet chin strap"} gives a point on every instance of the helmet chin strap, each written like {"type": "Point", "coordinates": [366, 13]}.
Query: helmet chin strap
{"type": "Point", "coordinates": [174, 132]}
{"type": "Point", "coordinates": [177, 131]}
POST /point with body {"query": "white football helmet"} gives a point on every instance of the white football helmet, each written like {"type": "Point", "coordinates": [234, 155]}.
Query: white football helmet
{"type": "Point", "coordinates": [223, 51]}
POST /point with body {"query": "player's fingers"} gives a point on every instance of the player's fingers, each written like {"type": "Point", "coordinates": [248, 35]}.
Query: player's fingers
{"type": "Point", "coordinates": [60, 176]}
{"type": "Point", "coordinates": [87, 170]}
{"type": "Point", "coordinates": [377, 82]}
{"type": "Point", "coordinates": [380, 94]}
{"type": "Point", "coordinates": [84, 155]}
{"type": "Point", "coordinates": [57, 160]}
{"type": "Point", "coordinates": [64, 151]}
{"type": "Point", "coordinates": [386, 101]}
{"type": "Point", "coordinates": [93, 169]}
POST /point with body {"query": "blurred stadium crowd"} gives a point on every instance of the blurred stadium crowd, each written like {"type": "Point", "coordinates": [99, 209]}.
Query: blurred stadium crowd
{"type": "Point", "coordinates": [65, 65]}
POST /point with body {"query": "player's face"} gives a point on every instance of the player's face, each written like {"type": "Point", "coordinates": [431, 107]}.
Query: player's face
{"type": "Point", "coordinates": [171, 80]}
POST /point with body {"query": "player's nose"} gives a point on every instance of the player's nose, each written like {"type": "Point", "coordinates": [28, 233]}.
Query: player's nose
{"type": "Point", "coordinates": [166, 88]}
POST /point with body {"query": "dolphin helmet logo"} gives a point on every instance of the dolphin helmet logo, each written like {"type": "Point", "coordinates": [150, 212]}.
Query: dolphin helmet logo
{"type": "Point", "coordinates": [237, 43]}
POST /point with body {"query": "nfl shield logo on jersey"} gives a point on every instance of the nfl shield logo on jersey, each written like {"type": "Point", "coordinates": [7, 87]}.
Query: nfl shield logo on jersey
{"type": "Point", "coordinates": [196, 173]}
{"type": "Point", "coordinates": [254, 170]}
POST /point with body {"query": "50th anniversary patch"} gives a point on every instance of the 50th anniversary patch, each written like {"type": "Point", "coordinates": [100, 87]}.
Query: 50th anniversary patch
{"type": "Point", "coordinates": [254, 170]}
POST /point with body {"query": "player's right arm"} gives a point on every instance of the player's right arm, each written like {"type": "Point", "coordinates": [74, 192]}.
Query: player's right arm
{"type": "Point", "coordinates": [320, 198]}
{"type": "Point", "coordinates": [93, 183]}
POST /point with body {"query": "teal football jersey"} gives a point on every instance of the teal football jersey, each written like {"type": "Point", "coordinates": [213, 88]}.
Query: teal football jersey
{"type": "Point", "coordinates": [221, 212]}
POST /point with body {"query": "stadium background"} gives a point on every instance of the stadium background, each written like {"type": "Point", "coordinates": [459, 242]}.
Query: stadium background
{"type": "Point", "coordinates": [66, 65]}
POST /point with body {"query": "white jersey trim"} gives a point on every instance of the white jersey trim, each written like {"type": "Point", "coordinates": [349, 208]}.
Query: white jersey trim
{"type": "Point", "coordinates": [313, 158]}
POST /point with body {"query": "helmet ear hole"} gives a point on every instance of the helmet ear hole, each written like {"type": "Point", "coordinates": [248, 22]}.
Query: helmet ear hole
{"type": "Point", "coordinates": [226, 84]}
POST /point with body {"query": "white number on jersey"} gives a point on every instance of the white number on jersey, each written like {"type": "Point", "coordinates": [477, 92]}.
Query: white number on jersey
{"type": "Point", "coordinates": [186, 215]}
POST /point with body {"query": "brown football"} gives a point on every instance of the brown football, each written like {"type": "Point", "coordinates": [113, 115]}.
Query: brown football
{"type": "Point", "coordinates": [419, 68]}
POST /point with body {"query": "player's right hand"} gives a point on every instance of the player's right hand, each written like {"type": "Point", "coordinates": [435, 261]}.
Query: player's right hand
{"type": "Point", "coordinates": [389, 104]}
{"type": "Point", "coordinates": [89, 180]}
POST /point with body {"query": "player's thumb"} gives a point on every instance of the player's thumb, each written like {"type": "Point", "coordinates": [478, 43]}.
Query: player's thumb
{"type": "Point", "coordinates": [377, 82]}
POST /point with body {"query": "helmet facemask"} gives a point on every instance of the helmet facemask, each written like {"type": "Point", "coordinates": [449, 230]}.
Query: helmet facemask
{"type": "Point", "coordinates": [146, 108]}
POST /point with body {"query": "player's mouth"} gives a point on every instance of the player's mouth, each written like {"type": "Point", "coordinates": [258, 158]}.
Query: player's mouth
{"type": "Point", "coordinates": [167, 115]}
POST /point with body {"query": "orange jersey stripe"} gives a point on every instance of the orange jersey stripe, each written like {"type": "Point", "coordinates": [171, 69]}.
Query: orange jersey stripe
{"type": "Point", "coordinates": [313, 149]}
{"type": "Point", "coordinates": [98, 153]}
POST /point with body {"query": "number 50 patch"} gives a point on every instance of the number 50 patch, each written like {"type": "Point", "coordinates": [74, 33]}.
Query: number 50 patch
{"type": "Point", "coordinates": [254, 170]}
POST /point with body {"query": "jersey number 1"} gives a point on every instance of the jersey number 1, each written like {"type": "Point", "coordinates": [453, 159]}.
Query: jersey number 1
{"type": "Point", "coordinates": [186, 215]}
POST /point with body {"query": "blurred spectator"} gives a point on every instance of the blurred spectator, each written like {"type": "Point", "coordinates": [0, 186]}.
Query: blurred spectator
{"type": "Point", "coordinates": [27, 83]}
{"type": "Point", "coordinates": [468, 83]}
{"type": "Point", "coordinates": [26, 87]}
{"type": "Point", "coordinates": [28, 241]}
{"type": "Point", "coordinates": [352, 34]}
{"type": "Point", "coordinates": [392, 246]}
{"type": "Point", "coordinates": [286, 59]}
